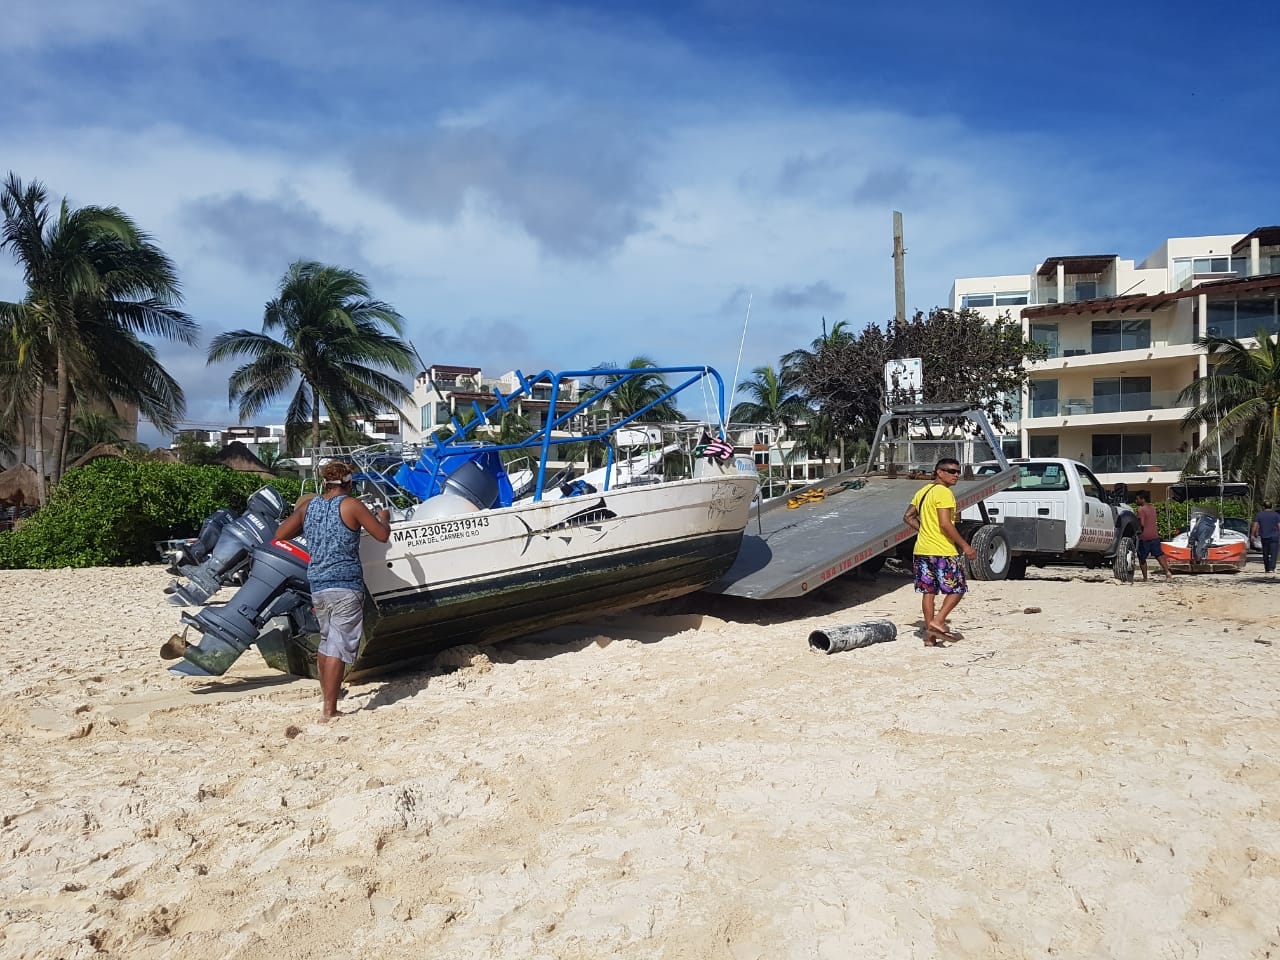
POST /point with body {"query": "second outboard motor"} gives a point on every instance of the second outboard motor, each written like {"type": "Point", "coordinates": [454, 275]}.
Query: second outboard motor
{"type": "Point", "coordinates": [1200, 536]}
{"type": "Point", "coordinates": [232, 551]}
{"type": "Point", "coordinates": [277, 585]}
{"type": "Point", "coordinates": [195, 552]}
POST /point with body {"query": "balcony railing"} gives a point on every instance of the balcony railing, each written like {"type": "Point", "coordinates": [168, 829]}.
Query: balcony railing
{"type": "Point", "coordinates": [1161, 461]}
{"type": "Point", "coordinates": [1107, 403]}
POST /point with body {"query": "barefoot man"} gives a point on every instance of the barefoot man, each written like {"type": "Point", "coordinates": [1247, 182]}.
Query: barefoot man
{"type": "Point", "coordinates": [937, 564]}
{"type": "Point", "coordinates": [332, 522]}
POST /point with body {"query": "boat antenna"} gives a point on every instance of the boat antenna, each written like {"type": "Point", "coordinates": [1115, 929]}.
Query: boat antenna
{"type": "Point", "coordinates": [1217, 423]}
{"type": "Point", "coordinates": [741, 343]}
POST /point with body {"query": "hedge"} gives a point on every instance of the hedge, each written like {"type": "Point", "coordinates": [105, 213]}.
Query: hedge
{"type": "Point", "coordinates": [1172, 516]}
{"type": "Point", "coordinates": [112, 511]}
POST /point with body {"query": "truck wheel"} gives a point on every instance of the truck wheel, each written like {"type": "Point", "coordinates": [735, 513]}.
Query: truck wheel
{"type": "Point", "coordinates": [1126, 560]}
{"type": "Point", "coordinates": [994, 557]}
{"type": "Point", "coordinates": [1018, 569]}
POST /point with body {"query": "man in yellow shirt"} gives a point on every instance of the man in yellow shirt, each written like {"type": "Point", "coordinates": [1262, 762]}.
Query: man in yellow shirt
{"type": "Point", "coordinates": [932, 515]}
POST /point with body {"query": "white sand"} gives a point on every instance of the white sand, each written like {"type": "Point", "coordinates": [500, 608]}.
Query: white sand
{"type": "Point", "coordinates": [1100, 779]}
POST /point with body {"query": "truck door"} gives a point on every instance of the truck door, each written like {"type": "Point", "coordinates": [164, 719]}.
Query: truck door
{"type": "Point", "coordinates": [1098, 522]}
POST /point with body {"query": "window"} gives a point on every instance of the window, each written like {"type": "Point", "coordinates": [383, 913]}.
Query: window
{"type": "Point", "coordinates": [1110, 335]}
{"type": "Point", "coordinates": [1116, 394]}
{"type": "Point", "coordinates": [442, 412]}
{"type": "Point", "coordinates": [1092, 488]}
{"type": "Point", "coordinates": [1044, 398]}
{"type": "Point", "coordinates": [1005, 298]}
{"type": "Point", "coordinates": [1086, 289]}
{"type": "Point", "coordinates": [1185, 268]}
{"type": "Point", "coordinates": [1120, 453]}
{"type": "Point", "coordinates": [1046, 333]}
{"type": "Point", "coordinates": [1043, 446]}
{"type": "Point", "coordinates": [1033, 477]}
{"type": "Point", "coordinates": [1241, 318]}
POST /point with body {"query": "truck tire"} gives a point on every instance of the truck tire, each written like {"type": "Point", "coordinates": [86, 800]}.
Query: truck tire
{"type": "Point", "coordinates": [1018, 568]}
{"type": "Point", "coordinates": [994, 556]}
{"type": "Point", "coordinates": [1126, 559]}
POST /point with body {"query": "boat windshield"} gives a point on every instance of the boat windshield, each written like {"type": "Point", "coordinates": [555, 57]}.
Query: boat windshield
{"type": "Point", "coordinates": [1032, 477]}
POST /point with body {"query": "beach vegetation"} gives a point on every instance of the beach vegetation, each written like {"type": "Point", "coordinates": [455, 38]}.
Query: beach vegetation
{"type": "Point", "coordinates": [774, 397]}
{"type": "Point", "coordinates": [113, 510]}
{"type": "Point", "coordinates": [1237, 404]}
{"type": "Point", "coordinates": [329, 342]}
{"type": "Point", "coordinates": [1172, 516]}
{"type": "Point", "coordinates": [965, 358]}
{"type": "Point", "coordinates": [96, 284]}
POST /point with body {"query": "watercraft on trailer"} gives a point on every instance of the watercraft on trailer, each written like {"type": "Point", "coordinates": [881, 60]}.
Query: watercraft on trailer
{"type": "Point", "coordinates": [1207, 547]}
{"type": "Point", "coordinates": [470, 563]}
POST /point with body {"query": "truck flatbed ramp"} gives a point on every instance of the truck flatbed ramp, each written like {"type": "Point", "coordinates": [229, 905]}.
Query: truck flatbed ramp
{"type": "Point", "coordinates": [787, 552]}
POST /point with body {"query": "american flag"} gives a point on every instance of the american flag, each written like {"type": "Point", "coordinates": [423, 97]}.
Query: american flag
{"type": "Point", "coordinates": [718, 450]}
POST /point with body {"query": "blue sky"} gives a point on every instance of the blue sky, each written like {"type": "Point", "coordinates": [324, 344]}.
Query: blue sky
{"type": "Point", "coordinates": [560, 185]}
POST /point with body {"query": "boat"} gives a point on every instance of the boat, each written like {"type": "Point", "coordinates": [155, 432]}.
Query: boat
{"type": "Point", "coordinates": [1207, 546]}
{"type": "Point", "coordinates": [470, 562]}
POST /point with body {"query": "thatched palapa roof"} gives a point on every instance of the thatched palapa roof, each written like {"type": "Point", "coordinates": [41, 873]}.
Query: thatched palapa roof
{"type": "Point", "coordinates": [236, 456]}
{"type": "Point", "coordinates": [97, 451]}
{"type": "Point", "coordinates": [20, 485]}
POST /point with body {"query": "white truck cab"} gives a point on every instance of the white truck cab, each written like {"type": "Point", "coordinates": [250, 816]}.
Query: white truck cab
{"type": "Point", "coordinates": [1058, 511]}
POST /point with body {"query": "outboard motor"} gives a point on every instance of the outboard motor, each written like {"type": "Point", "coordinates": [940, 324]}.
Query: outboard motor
{"type": "Point", "coordinates": [229, 555]}
{"type": "Point", "coordinates": [277, 586]}
{"type": "Point", "coordinates": [1200, 536]}
{"type": "Point", "coordinates": [195, 552]}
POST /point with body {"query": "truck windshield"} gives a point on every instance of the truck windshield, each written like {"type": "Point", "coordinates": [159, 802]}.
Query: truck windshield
{"type": "Point", "coordinates": [1032, 477]}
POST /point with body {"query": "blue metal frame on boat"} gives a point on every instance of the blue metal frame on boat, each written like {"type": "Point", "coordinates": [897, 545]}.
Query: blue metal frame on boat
{"type": "Point", "coordinates": [436, 463]}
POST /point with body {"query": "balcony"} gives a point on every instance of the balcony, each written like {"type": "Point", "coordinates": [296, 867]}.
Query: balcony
{"type": "Point", "coordinates": [1161, 461]}
{"type": "Point", "coordinates": [1110, 403]}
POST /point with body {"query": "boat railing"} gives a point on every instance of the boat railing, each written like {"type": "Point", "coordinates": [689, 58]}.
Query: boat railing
{"type": "Point", "coordinates": [608, 384]}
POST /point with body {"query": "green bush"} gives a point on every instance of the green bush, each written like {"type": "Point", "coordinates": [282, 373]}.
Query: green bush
{"type": "Point", "coordinates": [112, 512]}
{"type": "Point", "coordinates": [1172, 517]}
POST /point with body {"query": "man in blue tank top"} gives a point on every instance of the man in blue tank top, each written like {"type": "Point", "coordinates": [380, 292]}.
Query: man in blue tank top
{"type": "Point", "coordinates": [332, 522]}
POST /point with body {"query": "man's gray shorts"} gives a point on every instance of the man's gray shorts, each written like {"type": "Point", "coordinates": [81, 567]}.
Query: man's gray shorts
{"type": "Point", "coordinates": [341, 616]}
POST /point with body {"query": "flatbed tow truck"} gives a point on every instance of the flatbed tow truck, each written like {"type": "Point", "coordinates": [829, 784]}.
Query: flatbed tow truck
{"type": "Point", "coordinates": [796, 543]}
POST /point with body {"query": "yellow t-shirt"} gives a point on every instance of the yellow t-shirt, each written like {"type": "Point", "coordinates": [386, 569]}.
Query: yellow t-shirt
{"type": "Point", "coordinates": [931, 541]}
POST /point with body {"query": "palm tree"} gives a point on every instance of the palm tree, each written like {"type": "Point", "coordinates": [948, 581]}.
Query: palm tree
{"type": "Point", "coordinates": [636, 393]}
{"type": "Point", "coordinates": [270, 455]}
{"type": "Point", "coordinates": [774, 399]}
{"type": "Point", "coordinates": [797, 364]}
{"type": "Point", "coordinates": [25, 365]}
{"type": "Point", "coordinates": [89, 428]}
{"type": "Point", "coordinates": [1240, 401]}
{"type": "Point", "coordinates": [333, 351]}
{"type": "Point", "coordinates": [840, 333]}
{"type": "Point", "coordinates": [95, 282]}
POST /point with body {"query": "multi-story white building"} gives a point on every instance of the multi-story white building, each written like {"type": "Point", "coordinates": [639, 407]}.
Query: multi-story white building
{"type": "Point", "coordinates": [1121, 340]}
{"type": "Point", "coordinates": [443, 392]}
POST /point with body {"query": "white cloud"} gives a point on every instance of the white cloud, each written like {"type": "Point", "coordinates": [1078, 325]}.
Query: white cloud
{"type": "Point", "coordinates": [529, 190]}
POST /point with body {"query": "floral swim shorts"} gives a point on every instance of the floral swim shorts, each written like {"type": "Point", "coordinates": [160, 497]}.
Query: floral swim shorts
{"type": "Point", "coordinates": [940, 575]}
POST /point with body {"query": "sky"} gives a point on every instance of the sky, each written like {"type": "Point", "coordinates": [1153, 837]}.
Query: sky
{"type": "Point", "coordinates": [559, 185]}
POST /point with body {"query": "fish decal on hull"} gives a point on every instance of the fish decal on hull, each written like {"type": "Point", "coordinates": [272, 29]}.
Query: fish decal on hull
{"type": "Point", "coordinates": [725, 499]}
{"type": "Point", "coordinates": [589, 518]}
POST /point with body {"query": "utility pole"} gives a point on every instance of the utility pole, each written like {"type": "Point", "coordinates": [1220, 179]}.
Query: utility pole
{"type": "Point", "coordinates": [899, 274]}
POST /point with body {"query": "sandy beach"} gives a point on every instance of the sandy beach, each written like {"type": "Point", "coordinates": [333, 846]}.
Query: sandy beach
{"type": "Point", "coordinates": [1096, 778]}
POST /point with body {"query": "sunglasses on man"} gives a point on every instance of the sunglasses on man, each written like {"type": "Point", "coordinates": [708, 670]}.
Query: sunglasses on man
{"type": "Point", "coordinates": [948, 469]}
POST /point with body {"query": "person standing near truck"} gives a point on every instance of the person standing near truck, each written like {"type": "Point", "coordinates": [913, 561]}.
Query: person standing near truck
{"type": "Point", "coordinates": [932, 515]}
{"type": "Point", "coordinates": [1266, 528]}
{"type": "Point", "coordinates": [1149, 539]}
